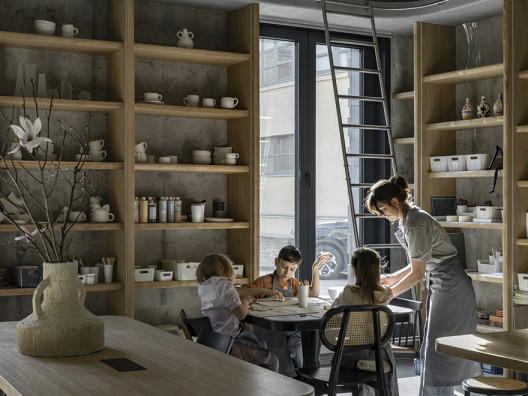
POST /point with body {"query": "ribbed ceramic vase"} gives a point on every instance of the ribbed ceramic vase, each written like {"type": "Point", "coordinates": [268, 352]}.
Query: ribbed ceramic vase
{"type": "Point", "coordinates": [61, 325]}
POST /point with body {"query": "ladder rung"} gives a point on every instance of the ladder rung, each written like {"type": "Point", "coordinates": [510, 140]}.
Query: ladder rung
{"type": "Point", "coordinates": [334, 41]}
{"type": "Point", "coordinates": [352, 14]}
{"type": "Point", "coordinates": [366, 216]}
{"type": "Point", "coordinates": [374, 156]}
{"type": "Point", "coordinates": [361, 185]}
{"type": "Point", "coordinates": [358, 69]}
{"type": "Point", "coordinates": [384, 245]}
{"type": "Point", "coordinates": [363, 98]}
{"type": "Point", "coordinates": [364, 126]}
{"type": "Point", "coordinates": [347, 3]}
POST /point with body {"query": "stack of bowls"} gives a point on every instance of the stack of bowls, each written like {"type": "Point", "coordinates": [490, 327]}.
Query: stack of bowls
{"type": "Point", "coordinates": [45, 27]}
{"type": "Point", "coordinates": [201, 157]}
{"type": "Point", "coordinates": [220, 154]}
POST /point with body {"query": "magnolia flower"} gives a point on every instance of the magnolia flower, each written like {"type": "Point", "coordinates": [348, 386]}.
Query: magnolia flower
{"type": "Point", "coordinates": [27, 134]}
{"type": "Point", "coordinates": [28, 236]}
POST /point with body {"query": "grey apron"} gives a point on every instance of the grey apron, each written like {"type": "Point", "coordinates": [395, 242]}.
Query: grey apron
{"type": "Point", "coordinates": [277, 341]}
{"type": "Point", "coordinates": [450, 310]}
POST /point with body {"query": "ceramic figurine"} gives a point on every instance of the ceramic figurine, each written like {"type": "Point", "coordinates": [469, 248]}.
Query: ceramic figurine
{"type": "Point", "coordinates": [498, 108]}
{"type": "Point", "coordinates": [185, 39]}
{"type": "Point", "coordinates": [484, 109]}
{"type": "Point", "coordinates": [467, 110]}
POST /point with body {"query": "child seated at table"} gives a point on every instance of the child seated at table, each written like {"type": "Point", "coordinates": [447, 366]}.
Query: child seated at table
{"type": "Point", "coordinates": [286, 345]}
{"type": "Point", "coordinates": [368, 290]}
{"type": "Point", "coordinates": [225, 308]}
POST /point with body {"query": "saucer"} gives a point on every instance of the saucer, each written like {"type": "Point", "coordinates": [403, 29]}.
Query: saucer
{"type": "Point", "coordinates": [218, 220]}
{"type": "Point", "coordinates": [153, 101]}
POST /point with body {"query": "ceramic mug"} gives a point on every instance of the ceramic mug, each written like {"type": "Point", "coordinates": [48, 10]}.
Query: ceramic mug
{"type": "Point", "coordinates": [102, 216]}
{"type": "Point", "coordinates": [140, 147]}
{"type": "Point", "coordinates": [191, 100]}
{"type": "Point", "coordinates": [208, 102]}
{"type": "Point", "coordinates": [96, 145]}
{"type": "Point", "coordinates": [164, 160]}
{"type": "Point", "coordinates": [228, 103]}
{"type": "Point", "coordinates": [231, 155]}
{"type": "Point", "coordinates": [98, 156]}
{"type": "Point", "coordinates": [174, 159]}
{"type": "Point", "coordinates": [77, 217]}
{"type": "Point", "coordinates": [69, 31]}
{"type": "Point", "coordinates": [152, 97]}
{"type": "Point", "coordinates": [82, 157]}
{"type": "Point", "coordinates": [229, 161]}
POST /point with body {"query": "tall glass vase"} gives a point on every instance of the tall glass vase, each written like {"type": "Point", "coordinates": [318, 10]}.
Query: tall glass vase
{"type": "Point", "coordinates": [473, 49]}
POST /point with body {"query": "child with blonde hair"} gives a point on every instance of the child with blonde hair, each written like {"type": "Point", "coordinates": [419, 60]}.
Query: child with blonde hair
{"type": "Point", "coordinates": [226, 309]}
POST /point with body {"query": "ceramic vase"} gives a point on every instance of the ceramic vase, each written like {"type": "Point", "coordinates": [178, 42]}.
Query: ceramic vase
{"type": "Point", "coordinates": [467, 110]}
{"type": "Point", "coordinates": [473, 49]}
{"type": "Point", "coordinates": [185, 39]}
{"type": "Point", "coordinates": [61, 325]}
{"type": "Point", "coordinates": [498, 108]}
{"type": "Point", "coordinates": [484, 109]}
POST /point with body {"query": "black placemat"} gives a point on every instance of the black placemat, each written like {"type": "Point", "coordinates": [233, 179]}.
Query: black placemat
{"type": "Point", "coordinates": [123, 364]}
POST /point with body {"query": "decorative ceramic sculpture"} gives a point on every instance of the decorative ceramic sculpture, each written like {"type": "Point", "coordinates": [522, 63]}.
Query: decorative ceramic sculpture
{"type": "Point", "coordinates": [467, 110]}
{"type": "Point", "coordinates": [484, 109]}
{"type": "Point", "coordinates": [185, 39]}
{"type": "Point", "coordinates": [498, 108]}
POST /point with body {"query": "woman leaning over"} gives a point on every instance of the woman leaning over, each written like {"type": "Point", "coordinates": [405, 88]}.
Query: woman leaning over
{"type": "Point", "coordinates": [451, 306]}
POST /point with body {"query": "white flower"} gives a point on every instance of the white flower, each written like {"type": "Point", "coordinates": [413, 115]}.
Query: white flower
{"type": "Point", "coordinates": [27, 134]}
{"type": "Point", "coordinates": [28, 236]}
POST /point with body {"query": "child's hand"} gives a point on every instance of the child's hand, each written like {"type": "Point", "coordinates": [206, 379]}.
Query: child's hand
{"type": "Point", "coordinates": [276, 295]}
{"type": "Point", "coordinates": [323, 258]}
{"type": "Point", "coordinates": [304, 283]}
{"type": "Point", "coordinates": [247, 300]}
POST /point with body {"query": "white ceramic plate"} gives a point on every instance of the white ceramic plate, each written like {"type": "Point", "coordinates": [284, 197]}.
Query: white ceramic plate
{"type": "Point", "coordinates": [153, 101]}
{"type": "Point", "coordinates": [21, 221]}
{"type": "Point", "coordinates": [218, 219]}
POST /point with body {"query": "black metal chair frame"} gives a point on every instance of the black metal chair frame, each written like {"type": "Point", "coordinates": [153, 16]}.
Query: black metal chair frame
{"type": "Point", "coordinates": [194, 325]}
{"type": "Point", "coordinates": [402, 338]}
{"type": "Point", "coordinates": [215, 340]}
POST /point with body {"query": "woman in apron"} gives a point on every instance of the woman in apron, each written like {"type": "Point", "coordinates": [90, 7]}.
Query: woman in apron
{"type": "Point", "coordinates": [451, 306]}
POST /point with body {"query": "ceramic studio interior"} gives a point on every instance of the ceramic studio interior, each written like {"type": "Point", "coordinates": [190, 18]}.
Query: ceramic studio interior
{"type": "Point", "coordinates": [287, 184]}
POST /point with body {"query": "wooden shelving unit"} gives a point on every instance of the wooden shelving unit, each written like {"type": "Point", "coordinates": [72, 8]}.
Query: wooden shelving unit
{"type": "Point", "coordinates": [476, 123]}
{"type": "Point", "coordinates": [28, 291]}
{"type": "Point", "coordinates": [408, 140]}
{"type": "Point", "coordinates": [479, 276]}
{"type": "Point", "coordinates": [192, 168]}
{"type": "Point", "coordinates": [463, 224]}
{"type": "Point", "coordinates": [192, 226]}
{"type": "Point", "coordinates": [189, 112]}
{"type": "Point", "coordinates": [466, 75]}
{"type": "Point", "coordinates": [76, 227]}
{"type": "Point", "coordinates": [462, 174]}
{"type": "Point", "coordinates": [403, 96]}
{"type": "Point", "coordinates": [171, 284]}
{"type": "Point", "coordinates": [64, 104]}
{"type": "Point", "coordinates": [64, 165]}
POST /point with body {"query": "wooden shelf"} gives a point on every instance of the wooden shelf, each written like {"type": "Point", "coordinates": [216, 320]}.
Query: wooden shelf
{"type": "Point", "coordinates": [170, 284]}
{"type": "Point", "coordinates": [482, 328]}
{"type": "Point", "coordinates": [522, 183]}
{"type": "Point", "coordinates": [403, 96]}
{"type": "Point", "coordinates": [521, 129]}
{"type": "Point", "coordinates": [476, 123]}
{"type": "Point", "coordinates": [408, 140]}
{"type": "Point", "coordinates": [64, 165]}
{"type": "Point", "coordinates": [63, 104]}
{"type": "Point", "coordinates": [189, 112]}
{"type": "Point", "coordinates": [462, 174]}
{"type": "Point", "coordinates": [192, 226]}
{"type": "Point", "coordinates": [467, 75]}
{"type": "Point", "coordinates": [58, 43]}
{"type": "Point", "coordinates": [523, 74]}
{"type": "Point", "coordinates": [482, 277]}
{"type": "Point", "coordinates": [186, 55]}
{"type": "Point", "coordinates": [192, 168]}
{"type": "Point", "coordinates": [28, 291]}
{"type": "Point", "coordinates": [463, 224]}
{"type": "Point", "coordinates": [521, 242]}
{"type": "Point", "coordinates": [77, 227]}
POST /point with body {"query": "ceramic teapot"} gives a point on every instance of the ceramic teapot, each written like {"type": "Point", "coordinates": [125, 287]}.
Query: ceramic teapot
{"type": "Point", "coordinates": [105, 208]}
{"type": "Point", "coordinates": [185, 39]}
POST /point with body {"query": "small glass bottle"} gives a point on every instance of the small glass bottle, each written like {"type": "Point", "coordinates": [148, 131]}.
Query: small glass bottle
{"type": "Point", "coordinates": [177, 210]}
{"type": "Point", "coordinates": [151, 210]}
{"type": "Point", "coordinates": [143, 210]}
{"type": "Point", "coordinates": [170, 210]}
{"type": "Point", "coordinates": [498, 107]}
{"type": "Point", "coordinates": [136, 209]}
{"type": "Point", "coordinates": [162, 206]}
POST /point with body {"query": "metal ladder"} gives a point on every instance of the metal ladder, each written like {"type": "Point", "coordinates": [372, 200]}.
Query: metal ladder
{"type": "Point", "coordinates": [348, 9]}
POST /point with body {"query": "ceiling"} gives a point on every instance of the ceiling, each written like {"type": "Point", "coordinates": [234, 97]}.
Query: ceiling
{"type": "Point", "coordinates": [307, 13]}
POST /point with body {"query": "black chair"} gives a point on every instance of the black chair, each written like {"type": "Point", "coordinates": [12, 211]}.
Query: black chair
{"type": "Point", "coordinates": [215, 340]}
{"type": "Point", "coordinates": [194, 325]}
{"type": "Point", "coordinates": [349, 329]}
{"type": "Point", "coordinates": [407, 337]}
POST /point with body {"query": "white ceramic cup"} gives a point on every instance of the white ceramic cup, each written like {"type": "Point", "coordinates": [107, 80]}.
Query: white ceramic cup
{"type": "Point", "coordinates": [228, 102]}
{"type": "Point", "coordinates": [164, 160]}
{"type": "Point", "coordinates": [78, 217]}
{"type": "Point", "coordinates": [229, 161]}
{"type": "Point", "coordinates": [302, 293]}
{"type": "Point", "coordinates": [98, 156]}
{"type": "Point", "coordinates": [152, 96]}
{"type": "Point", "coordinates": [102, 216]}
{"type": "Point", "coordinates": [95, 271]}
{"type": "Point", "coordinates": [83, 157]}
{"type": "Point", "coordinates": [96, 145]}
{"type": "Point", "coordinates": [140, 147]}
{"type": "Point", "coordinates": [201, 153]}
{"type": "Point", "coordinates": [191, 100]}
{"type": "Point", "coordinates": [208, 102]}
{"type": "Point", "coordinates": [197, 212]}
{"type": "Point", "coordinates": [90, 279]}
{"type": "Point", "coordinates": [85, 270]}
{"type": "Point", "coordinates": [69, 31]}
{"type": "Point", "coordinates": [173, 159]}
{"type": "Point", "coordinates": [108, 272]}
{"type": "Point", "coordinates": [231, 155]}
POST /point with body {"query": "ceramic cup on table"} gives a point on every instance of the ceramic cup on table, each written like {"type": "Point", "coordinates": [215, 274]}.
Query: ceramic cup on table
{"type": "Point", "coordinates": [140, 147]}
{"type": "Point", "coordinates": [197, 212]}
{"type": "Point", "coordinates": [96, 145]}
{"type": "Point", "coordinates": [69, 31]}
{"type": "Point", "coordinates": [228, 102]}
{"type": "Point", "coordinates": [108, 272]}
{"type": "Point", "coordinates": [77, 217]}
{"type": "Point", "coordinates": [191, 100]}
{"type": "Point", "coordinates": [302, 292]}
{"type": "Point", "coordinates": [208, 102]}
{"type": "Point", "coordinates": [99, 156]}
{"type": "Point", "coordinates": [152, 97]}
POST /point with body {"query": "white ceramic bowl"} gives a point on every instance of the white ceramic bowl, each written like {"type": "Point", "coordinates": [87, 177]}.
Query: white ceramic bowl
{"type": "Point", "coordinates": [201, 153]}
{"type": "Point", "coordinates": [202, 160]}
{"type": "Point", "coordinates": [45, 27]}
{"type": "Point", "coordinates": [335, 291]}
{"type": "Point", "coordinates": [223, 150]}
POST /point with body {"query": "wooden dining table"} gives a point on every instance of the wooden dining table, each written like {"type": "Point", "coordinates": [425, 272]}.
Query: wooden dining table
{"type": "Point", "coordinates": [507, 349]}
{"type": "Point", "coordinates": [172, 366]}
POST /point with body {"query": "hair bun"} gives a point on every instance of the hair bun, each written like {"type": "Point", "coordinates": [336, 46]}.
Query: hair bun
{"type": "Point", "coordinates": [400, 182]}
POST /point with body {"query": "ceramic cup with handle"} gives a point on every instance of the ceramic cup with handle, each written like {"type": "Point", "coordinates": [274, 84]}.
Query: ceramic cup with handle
{"type": "Point", "coordinates": [228, 102]}
{"type": "Point", "coordinates": [140, 147]}
{"type": "Point", "coordinates": [152, 97]}
{"type": "Point", "coordinates": [96, 145]}
{"type": "Point", "coordinates": [98, 156]}
{"type": "Point", "coordinates": [77, 217]}
{"type": "Point", "coordinates": [102, 215]}
{"type": "Point", "coordinates": [191, 100]}
{"type": "Point", "coordinates": [229, 161]}
{"type": "Point", "coordinates": [231, 155]}
{"type": "Point", "coordinates": [69, 31]}
{"type": "Point", "coordinates": [208, 102]}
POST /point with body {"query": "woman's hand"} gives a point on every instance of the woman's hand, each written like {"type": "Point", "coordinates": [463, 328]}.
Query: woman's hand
{"type": "Point", "coordinates": [388, 280]}
{"type": "Point", "coordinates": [275, 294]}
